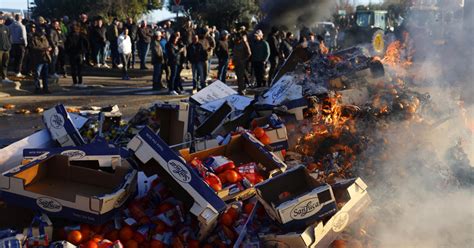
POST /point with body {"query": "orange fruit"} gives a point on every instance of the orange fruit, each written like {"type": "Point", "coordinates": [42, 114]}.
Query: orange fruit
{"type": "Point", "coordinates": [232, 176]}
{"type": "Point", "coordinates": [139, 237]}
{"type": "Point", "coordinates": [86, 232]}
{"type": "Point", "coordinates": [156, 244]}
{"type": "Point", "coordinates": [338, 243]}
{"type": "Point", "coordinates": [112, 235]}
{"type": "Point", "coordinates": [192, 243]}
{"type": "Point", "coordinates": [234, 213]}
{"type": "Point", "coordinates": [259, 132]}
{"type": "Point", "coordinates": [126, 234]}
{"type": "Point", "coordinates": [223, 177]}
{"type": "Point", "coordinates": [265, 139]}
{"type": "Point", "coordinates": [90, 244]}
{"type": "Point", "coordinates": [97, 238]}
{"type": "Point", "coordinates": [74, 237]}
{"type": "Point", "coordinates": [226, 219]}
{"type": "Point", "coordinates": [160, 226]}
{"type": "Point", "coordinates": [248, 208]}
{"type": "Point", "coordinates": [131, 244]}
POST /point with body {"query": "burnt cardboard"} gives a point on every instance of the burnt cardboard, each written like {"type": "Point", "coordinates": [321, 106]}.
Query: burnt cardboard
{"type": "Point", "coordinates": [12, 155]}
{"type": "Point", "coordinates": [154, 156]}
{"type": "Point", "coordinates": [214, 121]}
{"type": "Point", "coordinates": [322, 234]}
{"type": "Point", "coordinates": [52, 185]}
{"type": "Point", "coordinates": [308, 201]}
{"type": "Point", "coordinates": [61, 127]}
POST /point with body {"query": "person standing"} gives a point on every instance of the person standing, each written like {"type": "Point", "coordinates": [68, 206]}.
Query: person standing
{"type": "Point", "coordinates": [165, 66]}
{"type": "Point", "coordinates": [40, 52]}
{"type": "Point", "coordinates": [124, 43]}
{"type": "Point", "coordinates": [174, 58]}
{"type": "Point", "coordinates": [240, 56]}
{"type": "Point", "coordinates": [112, 36]}
{"type": "Point", "coordinates": [144, 39]}
{"type": "Point", "coordinates": [19, 43]}
{"type": "Point", "coordinates": [210, 51]}
{"type": "Point", "coordinates": [274, 43]}
{"type": "Point", "coordinates": [222, 52]}
{"type": "Point", "coordinates": [5, 46]}
{"type": "Point", "coordinates": [287, 45]}
{"type": "Point", "coordinates": [98, 42]}
{"type": "Point", "coordinates": [76, 47]}
{"type": "Point", "coordinates": [157, 59]}
{"type": "Point", "coordinates": [260, 55]}
{"type": "Point", "coordinates": [197, 56]}
{"type": "Point", "coordinates": [57, 39]}
{"type": "Point", "coordinates": [132, 32]}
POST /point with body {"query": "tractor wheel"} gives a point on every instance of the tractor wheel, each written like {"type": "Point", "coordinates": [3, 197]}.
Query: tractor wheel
{"type": "Point", "coordinates": [378, 45]}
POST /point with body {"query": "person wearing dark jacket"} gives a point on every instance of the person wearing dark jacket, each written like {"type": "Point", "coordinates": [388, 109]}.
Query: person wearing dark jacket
{"type": "Point", "coordinates": [173, 52]}
{"type": "Point", "coordinates": [98, 40]}
{"type": "Point", "coordinates": [57, 39]}
{"type": "Point", "coordinates": [274, 43]}
{"type": "Point", "coordinates": [197, 56]}
{"type": "Point", "coordinates": [112, 35]}
{"type": "Point", "coordinates": [260, 55]}
{"type": "Point", "coordinates": [287, 46]}
{"type": "Point", "coordinates": [145, 35]}
{"type": "Point", "coordinates": [5, 46]}
{"type": "Point", "coordinates": [132, 30]}
{"type": "Point", "coordinates": [222, 52]}
{"type": "Point", "coordinates": [40, 53]}
{"type": "Point", "coordinates": [157, 59]}
{"type": "Point", "coordinates": [240, 56]}
{"type": "Point", "coordinates": [76, 47]}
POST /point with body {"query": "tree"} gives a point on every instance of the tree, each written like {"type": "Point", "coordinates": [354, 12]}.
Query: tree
{"type": "Point", "coordinates": [221, 13]}
{"type": "Point", "coordinates": [106, 8]}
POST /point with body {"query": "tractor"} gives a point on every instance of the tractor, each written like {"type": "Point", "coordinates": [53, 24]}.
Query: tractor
{"type": "Point", "coordinates": [369, 27]}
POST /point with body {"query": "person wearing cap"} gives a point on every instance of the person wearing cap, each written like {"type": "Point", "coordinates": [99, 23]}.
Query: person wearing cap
{"type": "Point", "coordinates": [222, 52]}
{"type": "Point", "coordinates": [125, 50]}
{"type": "Point", "coordinates": [157, 60]}
{"type": "Point", "coordinates": [40, 54]}
{"type": "Point", "coordinates": [5, 46]}
{"type": "Point", "coordinates": [260, 55]}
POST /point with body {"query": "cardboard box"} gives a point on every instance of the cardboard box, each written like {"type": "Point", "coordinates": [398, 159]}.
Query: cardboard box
{"type": "Point", "coordinates": [278, 136]}
{"type": "Point", "coordinates": [174, 117]}
{"type": "Point", "coordinates": [242, 149]}
{"type": "Point", "coordinates": [213, 92]}
{"type": "Point", "coordinates": [94, 156]}
{"type": "Point", "coordinates": [12, 155]}
{"type": "Point", "coordinates": [50, 184]}
{"type": "Point", "coordinates": [61, 127]}
{"type": "Point", "coordinates": [322, 234]}
{"type": "Point", "coordinates": [238, 102]}
{"type": "Point", "coordinates": [155, 157]}
{"type": "Point", "coordinates": [295, 199]}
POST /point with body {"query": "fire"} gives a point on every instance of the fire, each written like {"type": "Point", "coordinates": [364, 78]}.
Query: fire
{"type": "Point", "coordinates": [395, 55]}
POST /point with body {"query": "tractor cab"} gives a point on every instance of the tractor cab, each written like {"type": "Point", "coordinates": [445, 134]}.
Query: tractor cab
{"type": "Point", "coordinates": [371, 19]}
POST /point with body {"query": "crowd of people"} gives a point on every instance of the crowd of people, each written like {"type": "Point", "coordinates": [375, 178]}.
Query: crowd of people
{"type": "Point", "coordinates": [43, 47]}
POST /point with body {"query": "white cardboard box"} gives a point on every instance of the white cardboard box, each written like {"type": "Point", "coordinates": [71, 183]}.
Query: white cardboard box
{"type": "Point", "coordinates": [50, 184]}
{"type": "Point", "coordinates": [295, 199]}
{"type": "Point", "coordinates": [213, 92]}
{"type": "Point", "coordinates": [61, 127]}
{"type": "Point", "coordinates": [321, 235]}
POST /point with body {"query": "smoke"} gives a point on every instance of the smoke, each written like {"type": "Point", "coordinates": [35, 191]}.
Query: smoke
{"type": "Point", "coordinates": [293, 14]}
{"type": "Point", "coordinates": [423, 189]}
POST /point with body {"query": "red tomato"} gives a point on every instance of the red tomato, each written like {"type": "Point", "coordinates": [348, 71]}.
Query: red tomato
{"type": "Point", "coordinates": [74, 237]}
{"type": "Point", "coordinates": [259, 132]}
{"type": "Point", "coordinates": [156, 244]}
{"type": "Point", "coordinates": [223, 177]}
{"type": "Point", "coordinates": [234, 213]}
{"type": "Point", "coordinates": [160, 226]}
{"type": "Point", "coordinates": [226, 220]}
{"type": "Point", "coordinates": [139, 237]}
{"type": "Point", "coordinates": [214, 182]}
{"type": "Point", "coordinates": [90, 244]}
{"type": "Point", "coordinates": [265, 139]}
{"type": "Point", "coordinates": [232, 176]}
{"type": "Point", "coordinates": [248, 208]}
{"type": "Point", "coordinates": [193, 243]}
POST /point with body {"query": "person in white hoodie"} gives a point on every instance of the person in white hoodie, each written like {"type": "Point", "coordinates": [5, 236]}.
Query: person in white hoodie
{"type": "Point", "coordinates": [125, 49]}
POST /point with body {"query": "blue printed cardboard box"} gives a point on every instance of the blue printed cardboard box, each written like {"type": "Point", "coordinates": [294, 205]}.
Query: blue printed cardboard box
{"type": "Point", "coordinates": [154, 156]}
{"type": "Point", "coordinates": [295, 199]}
{"type": "Point", "coordinates": [52, 185]}
{"type": "Point", "coordinates": [61, 127]}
